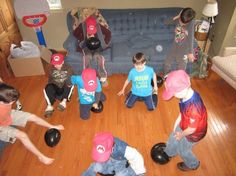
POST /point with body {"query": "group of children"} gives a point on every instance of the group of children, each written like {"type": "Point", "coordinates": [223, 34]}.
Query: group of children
{"type": "Point", "coordinates": [111, 155]}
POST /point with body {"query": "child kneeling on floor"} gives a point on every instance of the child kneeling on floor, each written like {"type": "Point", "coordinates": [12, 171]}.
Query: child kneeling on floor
{"type": "Point", "coordinates": [141, 77]}
{"type": "Point", "coordinates": [89, 91]}
{"type": "Point", "coordinates": [113, 156]}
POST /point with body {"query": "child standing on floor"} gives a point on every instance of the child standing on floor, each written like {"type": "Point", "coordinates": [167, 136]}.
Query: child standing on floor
{"type": "Point", "coordinates": [113, 156]}
{"type": "Point", "coordinates": [191, 124]}
{"type": "Point", "coordinates": [141, 77]}
{"type": "Point", "coordinates": [59, 84]}
{"type": "Point", "coordinates": [183, 42]}
{"type": "Point", "coordinates": [9, 117]}
{"type": "Point", "coordinates": [89, 91]}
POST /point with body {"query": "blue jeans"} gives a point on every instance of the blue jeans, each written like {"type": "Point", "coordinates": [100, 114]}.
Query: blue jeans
{"type": "Point", "coordinates": [109, 167]}
{"type": "Point", "coordinates": [148, 100]}
{"type": "Point", "coordinates": [183, 148]}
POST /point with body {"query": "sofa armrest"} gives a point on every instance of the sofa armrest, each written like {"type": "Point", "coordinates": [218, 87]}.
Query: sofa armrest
{"type": "Point", "coordinates": [229, 51]}
{"type": "Point", "coordinates": [71, 43]}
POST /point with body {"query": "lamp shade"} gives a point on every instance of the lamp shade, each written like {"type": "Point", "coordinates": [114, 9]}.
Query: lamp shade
{"type": "Point", "coordinates": [210, 9]}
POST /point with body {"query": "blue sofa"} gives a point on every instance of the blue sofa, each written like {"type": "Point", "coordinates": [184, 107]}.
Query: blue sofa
{"type": "Point", "coordinates": [133, 30]}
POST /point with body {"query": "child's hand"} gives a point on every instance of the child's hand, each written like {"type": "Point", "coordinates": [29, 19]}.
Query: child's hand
{"type": "Point", "coordinates": [191, 57]}
{"type": "Point", "coordinates": [59, 127]}
{"type": "Point", "coordinates": [178, 135]}
{"type": "Point", "coordinates": [95, 105]}
{"type": "Point", "coordinates": [122, 92]}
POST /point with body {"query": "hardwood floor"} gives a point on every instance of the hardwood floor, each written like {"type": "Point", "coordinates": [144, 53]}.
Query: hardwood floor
{"type": "Point", "coordinates": [137, 126]}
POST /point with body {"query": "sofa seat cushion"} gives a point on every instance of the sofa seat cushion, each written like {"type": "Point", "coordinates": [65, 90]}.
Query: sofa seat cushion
{"type": "Point", "coordinates": [138, 42]}
{"type": "Point", "coordinates": [154, 49]}
{"type": "Point", "coordinates": [226, 64]}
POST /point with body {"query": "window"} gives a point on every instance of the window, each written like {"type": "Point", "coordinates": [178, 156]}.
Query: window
{"type": "Point", "coordinates": [54, 4]}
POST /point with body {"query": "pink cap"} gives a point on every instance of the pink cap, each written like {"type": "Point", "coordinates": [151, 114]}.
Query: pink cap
{"type": "Point", "coordinates": [175, 82]}
{"type": "Point", "coordinates": [57, 59]}
{"type": "Point", "coordinates": [102, 146]}
{"type": "Point", "coordinates": [91, 25]}
{"type": "Point", "coordinates": [90, 79]}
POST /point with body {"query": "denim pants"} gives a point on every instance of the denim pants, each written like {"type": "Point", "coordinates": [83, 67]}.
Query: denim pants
{"type": "Point", "coordinates": [183, 148]}
{"type": "Point", "coordinates": [150, 103]}
{"type": "Point", "coordinates": [109, 167]}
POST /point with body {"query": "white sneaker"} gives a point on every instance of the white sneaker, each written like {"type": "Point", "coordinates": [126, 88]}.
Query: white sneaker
{"type": "Point", "coordinates": [62, 106]}
{"type": "Point", "coordinates": [103, 79]}
{"type": "Point", "coordinates": [48, 111]}
{"type": "Point", "coordinates": [18, 105]}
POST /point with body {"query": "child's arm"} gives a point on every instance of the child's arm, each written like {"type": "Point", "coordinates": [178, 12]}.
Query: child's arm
{"type": "Point", "coordinates": [186, 132]}
{"type": "Point", "coordinates": [191, 41]}
{"type": "Point", "coordinates": [155, 83]}
{"type": "Point", "coordinates": [98, 93]}
{"type": "Point", "coordinates": [68, 80]}
{"type": "Point", "coordinates": [177, 121]}
{"type": "Point", "coordinates": [135, 160]}
{"type": "Point", "coordinates": [122, 92]}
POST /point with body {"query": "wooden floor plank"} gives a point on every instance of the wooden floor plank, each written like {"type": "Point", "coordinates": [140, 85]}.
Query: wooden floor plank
{"type": "Point", "coordinates": [137, 126]}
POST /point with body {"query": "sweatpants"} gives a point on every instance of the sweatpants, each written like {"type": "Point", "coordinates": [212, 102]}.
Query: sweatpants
{"type": "Point", "coordinates": [53, 92]}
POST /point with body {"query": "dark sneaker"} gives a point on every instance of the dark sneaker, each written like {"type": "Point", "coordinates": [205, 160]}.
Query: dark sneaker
{"type": "Point", "coordinates": [182, 166]}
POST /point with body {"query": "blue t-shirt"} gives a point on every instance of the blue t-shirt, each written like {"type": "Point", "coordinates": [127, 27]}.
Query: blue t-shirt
{"type": "Point", "coordinates": [141, 81]}
{"type": "Point", "coordinates": [85, 96]}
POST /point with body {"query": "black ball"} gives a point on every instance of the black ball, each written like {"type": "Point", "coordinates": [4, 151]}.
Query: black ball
{"type": "Point", "coordinates": [100, 108]}
{"type": "Point", "coordinates": [93, 43]}
{"type": "Point", "coordinates": [52, 137]}
{"type": "Point", "coordinates": [107, 174]}
{"type": "Point", "coordinates": [160, 81]}
{"type": "Point", "coordinates": [158, 155]}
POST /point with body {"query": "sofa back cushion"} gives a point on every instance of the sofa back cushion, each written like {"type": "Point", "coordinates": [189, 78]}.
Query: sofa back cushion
{"type": "Point", "coordinates": [140, 21]}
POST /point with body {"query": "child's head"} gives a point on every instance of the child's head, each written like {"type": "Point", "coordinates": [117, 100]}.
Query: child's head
{"type": "Point", "coordinates": [57, 60]}
{"type": "Point", "coordinates": [187, 15]}
{"type": "Point", "coordinates": [139, 61]}
{"type": "Point", "coordinates": [91, 26]}
{"type": "Point", "coordinates": [102, 146]}
{"type": "Point", "coordinates": [89, 77]}
{"type": "Point", "coordinates": [176, 84]}
{"type": "Point", "coordinates": [8, 93]}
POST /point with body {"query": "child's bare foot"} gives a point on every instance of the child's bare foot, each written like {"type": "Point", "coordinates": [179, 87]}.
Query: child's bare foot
{"type": "Point", "coordinates": [46, 160]}
{"type": "Point", "coordinates": [59, 127]}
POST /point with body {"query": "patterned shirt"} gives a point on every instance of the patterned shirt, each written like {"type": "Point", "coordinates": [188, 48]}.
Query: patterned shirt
{"type": "Point", "coordinates": [60, 77]}
{"type": "Point", "coordinates": [194, 115]}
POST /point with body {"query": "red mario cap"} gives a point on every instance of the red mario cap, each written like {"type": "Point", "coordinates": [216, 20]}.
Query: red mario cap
{"type": "Point", "coordinates": [89, 77]}
{"type": "Point", "coordinates": [57, 59]}
{"type": "Point", "coordinates": [102, 146]}
{"type": "Point", "coordinates": [91, 25]}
